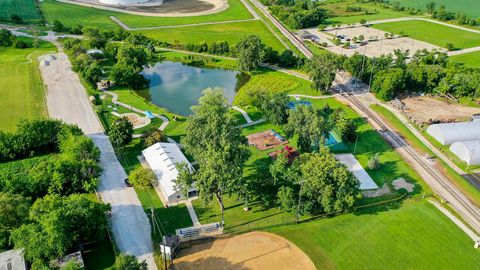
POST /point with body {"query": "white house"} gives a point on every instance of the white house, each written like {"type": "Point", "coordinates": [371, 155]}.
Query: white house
{"type": "Point", "coordinates": [163, 159]}
{"type": "Point", "coordinates": [468, 151]}
{"type": "Point", "coordinates": [449, 133]}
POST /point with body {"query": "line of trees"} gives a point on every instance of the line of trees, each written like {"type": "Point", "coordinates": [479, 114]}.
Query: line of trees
{"type": "Point", "coordinates": [43, 206]}
{"type": "Point", "coordinates": [297, 14]}
{"type": "Point", "coordinates": [426, 72]}
{"type": "Point", "coordinates": [7, 39]}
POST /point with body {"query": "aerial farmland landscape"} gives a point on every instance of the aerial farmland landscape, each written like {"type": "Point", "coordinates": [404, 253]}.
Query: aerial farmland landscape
{"type": "Point", "coordinates": [239, 134]}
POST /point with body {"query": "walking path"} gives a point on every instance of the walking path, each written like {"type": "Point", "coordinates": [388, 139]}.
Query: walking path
{"type": "Point", "coordinates": [455, 220]}
{"type": "Point", "coordinates": [126, 27]}
{"type": "Point", "coordinates": [191, 212]}
{"type": "Point", "coordinates": [244, 113]}
{"type": "Point", "coordinates": [252, 123]}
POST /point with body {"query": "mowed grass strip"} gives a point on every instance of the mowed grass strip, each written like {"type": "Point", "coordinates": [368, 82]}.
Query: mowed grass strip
{"type": "Point", "coordinates": [21, 87]}
{"type": "Point", "coordinates": [469, 7]}
{"type": "Point", "coordinates": [26, 9]}
{"type": "Point", "coordinates": [432, 33]}
{"type": "Point", "coordinates": [72, 15]}
{"type": "Point", "coordinates": [338, 13]}
{"type": "Point", "coordinates": [414, 235]}
{"type": "Point", "coordinates": [469, 59]}
{"type": "Point", "coordinates": [231, 32]}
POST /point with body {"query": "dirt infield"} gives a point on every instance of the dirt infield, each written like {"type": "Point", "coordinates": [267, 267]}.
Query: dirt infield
{"type": "Point", "coordinates": [427, 109]}
{"type": "Point", "coordinates": [254, 250]}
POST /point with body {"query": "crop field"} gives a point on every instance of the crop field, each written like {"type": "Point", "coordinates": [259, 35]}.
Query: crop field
{"type": "Point", "coordinates": [26, 9]}
{"type": "Point", "coordinates": [337, 11]}
{"type": "Point", "coordinates": [413, 235]}
{"type": "Point", "coordinates": [433, 33]}
{"type": "Point", "coordinates": [469, 59]}
{"type": "Point", "coordinates": [469, 7]}
{"type": "Point", "coordinates": [231, 32]}
{"type": "Point", "coordinates": [72, 15]}
{"type": "Point", "coordinates": [21, 88]}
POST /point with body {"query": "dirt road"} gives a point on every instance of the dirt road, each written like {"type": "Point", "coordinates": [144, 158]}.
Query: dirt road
{"type": "Point", "coordinates": [67, 100]}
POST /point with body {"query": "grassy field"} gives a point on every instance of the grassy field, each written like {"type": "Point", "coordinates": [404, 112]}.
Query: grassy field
{"type": "Point", "coordinates": [337, 11]}
{"type": "Point", "coordinates": [410, 236]}
{"type": "Point", "coordinates": [231, 32]}
{"type": "Point", "coordinates": [469, 59]}
{"type": "Point", "coordinates": [433, 33]}
{"type": "Point", "coordinates": [72, 15]}
{"type": "Point", "coordinates": [21, 88]}
{"type": "Point", "coordinates": [26, 9]}
{"type": "Point", "coordinates": [469, 7]}
{"type": "Point", "coordinates": [459, 181]}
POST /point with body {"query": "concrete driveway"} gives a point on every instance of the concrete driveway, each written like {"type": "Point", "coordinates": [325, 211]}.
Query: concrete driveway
{"type": "Point", "coordinates": [67, 100]}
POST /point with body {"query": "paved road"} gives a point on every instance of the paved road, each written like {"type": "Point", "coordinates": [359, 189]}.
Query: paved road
{"type": "Point", "coordinates": [67, 100]}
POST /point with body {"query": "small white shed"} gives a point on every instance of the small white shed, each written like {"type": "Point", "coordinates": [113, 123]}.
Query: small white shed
{"type": "Point", "coordinates": [449, 133]}
{"type": "Point", "coordinates": [468, 151]}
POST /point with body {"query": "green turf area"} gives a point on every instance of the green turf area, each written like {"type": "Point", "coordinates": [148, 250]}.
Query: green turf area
{"type": "Point", "coordinates": [26, 9]}
{"type": "Point", "coordinates": [433, 33]}
{"type": "Point", "coordinates": [272, 80]}
{"type": "Point", "coordinates": [469, 59]}
{"type": "Point", "coordinates": [469, 7]}
{"type": "Point", "coordinates": [317, 50]}
{"type": "Point", "coordinates": [337, 11]}
{"type": "Point", "coordinates": [21, 88]}
{"type": "Point", "coordinates": [231, 32]}
{"type": "Point", "coordinates": [459, 181]}
{"type": "Point", "coordinates": [413, 236]}
{"type": "Point", "coordinates": [72, 15]}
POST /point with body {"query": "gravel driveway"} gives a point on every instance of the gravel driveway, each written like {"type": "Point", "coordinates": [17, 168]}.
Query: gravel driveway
{"type": "Point", "coordinates": [67, 100]}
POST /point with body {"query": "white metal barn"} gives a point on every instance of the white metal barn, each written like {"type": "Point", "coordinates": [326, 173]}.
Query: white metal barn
{"type": "Point", "coordinates": [162, 159]}
{"type": "Point", "coordinates": [449, 133]}
{"type": "Point", "coordinates": [468, 151]}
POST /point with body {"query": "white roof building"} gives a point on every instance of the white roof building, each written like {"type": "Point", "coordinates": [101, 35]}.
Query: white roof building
{"type": "Point", "coordinates": [449, 133]}
{"type": "Point", "coordinates": [468, 151]}
{"type": "Point", "coordinates": [163, 159]}
{"type": "Point", "coordinates": [352, 164]}
{"type": "Point", "coordinates": [12, 260]}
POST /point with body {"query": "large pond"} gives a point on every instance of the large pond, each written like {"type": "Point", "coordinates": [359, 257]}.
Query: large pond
{"type": "Point", "coordinates": [176, 86]}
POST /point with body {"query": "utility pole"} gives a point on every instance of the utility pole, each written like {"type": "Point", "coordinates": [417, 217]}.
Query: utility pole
{"type": "Point", "coordinates": [164, 241]}
{"type": "Point", "coordinates": [299, 201]}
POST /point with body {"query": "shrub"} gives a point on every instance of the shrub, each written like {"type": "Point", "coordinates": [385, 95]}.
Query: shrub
{"type": "Point", "coordinates": [142, 177]}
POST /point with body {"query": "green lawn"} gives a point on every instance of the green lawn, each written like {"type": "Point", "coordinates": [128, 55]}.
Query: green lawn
{"type": "Point", "coordinates": [459, 181]}
{"type": "Point", "coordinates": [469, 59]}
{"type": "Point", "coordinates": [317, 50]}
{"type": "Point", "coordinates": [337, 11]}
{"type": "Point", "coordinates": [231, 32]}
{"type": "Point", "coordinates": [21, 88]}
{"type": "Point", "coordinates": [72, 15]}
{"type": "Point", "coordinates": [26, 9]}
{"type": "Point", "coordinates": [433, 33]}
{"type": "Point", "coordinates": [272, 80]}
{"type": "Point", "coordinates": [469, 7]}
{"type": "Point", "coordinates": [413, 236]}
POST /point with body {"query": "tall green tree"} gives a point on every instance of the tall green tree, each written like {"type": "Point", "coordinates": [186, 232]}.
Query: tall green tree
{"type": "Point", "coordinates": [311, 125]}
{"type": "Point", "coordinates": [273, 105]}
{"type": "Point", "coordinates": [388, 83]}
{"type": "Point", "coordinates": [217, 144]}
{"type": "Point", "coordinates": [121, 132]}
{"type": "Point", "coordinates": [13, 213]}
{"type": "Point", "coordinates": [129, 262]}
{"type": "Point", "coordinates": [249, 52]}
{"type": "Point", "coordinates": [322, 69]}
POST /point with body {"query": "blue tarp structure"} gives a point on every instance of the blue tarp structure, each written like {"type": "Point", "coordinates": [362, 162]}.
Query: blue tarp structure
{"type": "Point", "coordinates": [149, 114]}
{"type": "Point", "coordinates": [292, 104]}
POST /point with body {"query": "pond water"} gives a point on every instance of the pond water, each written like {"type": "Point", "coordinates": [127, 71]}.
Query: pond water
{"type": "Point", "coordinates": [176, 86]}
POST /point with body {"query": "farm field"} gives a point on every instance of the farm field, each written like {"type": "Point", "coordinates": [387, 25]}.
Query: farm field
{"type": "Point", "coordinates": [469, 59]}
{"type": "Point", "coordinates": [469, 7]}
{"type": "Point", "coordinates": [337, 11]}
{"type": "Point", "coordinates": [411, 235]}
{"type": "Point", "coordinates": [26, 9]}
{"type": "Point", "coordinates": [231, 32]}
{"type": "Point", "coordinates": [432, 33]}
{"type": "Point", "coordinates": [72, 15]}
{"type": "Point", "coordinates": [21, 88]}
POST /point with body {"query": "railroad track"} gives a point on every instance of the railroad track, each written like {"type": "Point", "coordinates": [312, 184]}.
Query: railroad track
{"type": "Point", "coordinates": [473, 212]}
